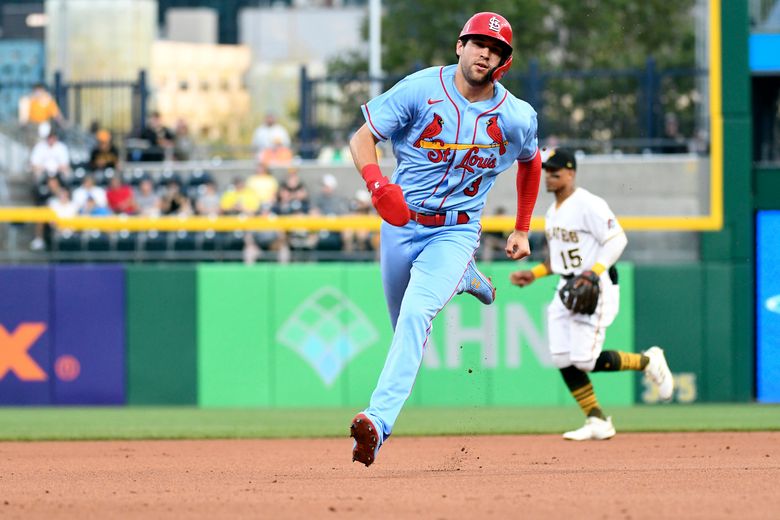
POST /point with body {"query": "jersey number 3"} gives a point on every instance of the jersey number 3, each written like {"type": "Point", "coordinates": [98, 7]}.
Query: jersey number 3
{"type": "Point", "coordinates": [473, 188]}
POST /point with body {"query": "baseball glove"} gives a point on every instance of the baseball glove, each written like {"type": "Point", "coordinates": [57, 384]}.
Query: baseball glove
{"type": "Point", "coordinates": [580, 294]}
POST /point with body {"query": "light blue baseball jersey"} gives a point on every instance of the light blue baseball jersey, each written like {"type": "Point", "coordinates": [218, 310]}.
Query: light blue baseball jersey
{"type": "Point", "coordinates": [449, 150]}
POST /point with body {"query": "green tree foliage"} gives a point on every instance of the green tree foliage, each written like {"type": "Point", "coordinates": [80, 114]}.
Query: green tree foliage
{"type": "Point", "coordinates": [557, 36]}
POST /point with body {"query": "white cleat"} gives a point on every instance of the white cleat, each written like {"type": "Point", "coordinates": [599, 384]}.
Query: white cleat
{"type": "Point", "coordinates": [595, 429]}
{"type": "Point", "coordinates": [657, 370]}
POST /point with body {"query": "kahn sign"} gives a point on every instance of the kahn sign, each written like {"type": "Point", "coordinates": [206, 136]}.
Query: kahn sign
{"type": "Point", "coordinates": [14, 352]}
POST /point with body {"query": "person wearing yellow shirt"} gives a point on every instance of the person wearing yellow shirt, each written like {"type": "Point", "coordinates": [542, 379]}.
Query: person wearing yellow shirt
{"type": "Point", "coordinates": [239, 200]}
{"type": "Point", "coordinates": [39, 107]}
{"type": "Point", "coordinates": [264, 185]}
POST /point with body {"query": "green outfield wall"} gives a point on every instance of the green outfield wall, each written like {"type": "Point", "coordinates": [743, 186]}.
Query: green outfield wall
{"type": "Point", "coordinates": [311, 335]}
{"type": "Point", "coordinates": [316, 335]}
{"type": "Point", "coordinates": [161, 335]}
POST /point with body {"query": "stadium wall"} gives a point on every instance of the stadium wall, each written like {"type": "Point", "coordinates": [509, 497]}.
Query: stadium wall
{"type": "Point", "coordinates": [311, 335]}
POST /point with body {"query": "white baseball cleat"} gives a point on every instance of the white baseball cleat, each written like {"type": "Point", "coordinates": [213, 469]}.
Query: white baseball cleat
{"type": "Point", "coordinates": [477, 284]}
{"type": "Point", "coordinates": [657, 370]}
{"type": "Point", "coordinates": [595, 429]}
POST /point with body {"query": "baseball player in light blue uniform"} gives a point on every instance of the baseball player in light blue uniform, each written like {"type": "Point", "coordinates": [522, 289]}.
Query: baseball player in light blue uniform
{"type": "Point", "coordinates": [453, 129]}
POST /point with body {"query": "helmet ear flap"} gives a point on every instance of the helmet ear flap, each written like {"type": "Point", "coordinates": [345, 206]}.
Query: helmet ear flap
{"type": "Point", "coordinates": [501, 69]}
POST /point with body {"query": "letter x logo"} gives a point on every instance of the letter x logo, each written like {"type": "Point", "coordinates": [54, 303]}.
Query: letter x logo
{"type": "Point", "coordinates": [13, 352]}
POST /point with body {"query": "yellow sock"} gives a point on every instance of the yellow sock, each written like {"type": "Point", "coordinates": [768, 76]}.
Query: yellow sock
{"type": "Point", "coordinates": [632, 361]}
{"type": "Point", "coordinates": [586, 398]}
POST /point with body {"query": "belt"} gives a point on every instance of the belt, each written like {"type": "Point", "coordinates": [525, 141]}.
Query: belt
{"type": "Point", "coordinates": [437, 219]}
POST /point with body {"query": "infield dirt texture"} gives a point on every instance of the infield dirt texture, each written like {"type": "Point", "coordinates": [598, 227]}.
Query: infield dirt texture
{"type": "Point", "coordinates": [635, 475]}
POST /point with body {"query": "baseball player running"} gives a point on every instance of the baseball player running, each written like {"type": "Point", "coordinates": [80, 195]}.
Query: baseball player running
{"type": "Point", "coordinates": [453, 129]}
{"type": "Point", "coordinates": [584, 241]}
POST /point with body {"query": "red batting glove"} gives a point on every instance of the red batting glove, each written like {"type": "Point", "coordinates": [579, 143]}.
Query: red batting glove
{"type": "Point", "coordinates": [387, 198]}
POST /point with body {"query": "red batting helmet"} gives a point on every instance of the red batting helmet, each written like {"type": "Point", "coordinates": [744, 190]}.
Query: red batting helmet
{"type": "Point", "coordinates": [494, 26]}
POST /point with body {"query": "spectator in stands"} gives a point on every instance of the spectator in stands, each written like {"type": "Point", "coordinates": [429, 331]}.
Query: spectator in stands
{"type": "Point", "coordinates": [361, 239]}
{"type": "Point", "coordinates": [173, 201]}
{"type": "Point", "coordinates": [89, 190]}
{"type": "Point", "coordinates": [208, 200]}
{"type": "Point", "coordinates": [50, 157]}
{"type": "Point", "coordinates": [239, 199]}
{"type": "Point", "coordinates": [183, 145]}
{"type": "Point", "coordinates": [674, 141]}
{"type": "Point", "coordinates": [39, 107]}
{"type": "Point", "coordinates": [91, 208]}
{"type": "Point", "coordinates": [330, 203]}
{"type": "Point", "coordinates": [159, 138]}
{"type": "Point", "coordinates": [278, 155]}
{"type": "Point", "coordinates": [62, 204]}
{"type": "Point", "coordinates": [147, 201]}
{"type": "Point", "coordinates": [105, 154]}
{"type": "Point", "coordinates": [263, 184]}
{"type": "Point", "coordinates": [268, 133]}
{"type": "Point", "coordinates": [120, 196]}
{"type": "Point", "coordinates": [44, 194]}
{"type": "Point", "coordinates": [293, 197]}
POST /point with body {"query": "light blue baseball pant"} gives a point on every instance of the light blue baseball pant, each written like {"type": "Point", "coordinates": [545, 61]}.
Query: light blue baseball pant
{"type": "Point", "coordinates": [421, 269]}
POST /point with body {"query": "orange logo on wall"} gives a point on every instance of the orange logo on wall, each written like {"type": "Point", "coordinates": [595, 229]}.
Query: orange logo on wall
{"type": "Point", "coordinates": [13, 352]}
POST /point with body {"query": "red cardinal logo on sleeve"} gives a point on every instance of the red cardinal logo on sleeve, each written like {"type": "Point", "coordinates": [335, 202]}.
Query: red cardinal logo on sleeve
{"type": "Point", "coordinates": [496, 134]}
{"type": "Point", "coordinates": [432, 130]}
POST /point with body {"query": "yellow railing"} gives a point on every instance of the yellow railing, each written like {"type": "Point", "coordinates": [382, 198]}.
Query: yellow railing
{"type": "Point", "coordinates": [231, 223]}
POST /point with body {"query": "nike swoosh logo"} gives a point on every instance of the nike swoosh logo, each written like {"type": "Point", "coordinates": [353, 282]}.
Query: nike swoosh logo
{"type": "Point", "coordinates": [434, 101]}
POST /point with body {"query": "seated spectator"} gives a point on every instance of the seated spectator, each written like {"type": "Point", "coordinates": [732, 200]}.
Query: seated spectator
{"type": "Point", "coordinates": [278, 155]}
{"type": "Point", "coordinates": [45, 193]}
{"type": "Point", "coordinates": [239, 199]}
{"type": "Point", "coordinates": [62, 204]}
{"type": "Point", "coordinates": [268, 133]}
{"type": "Point", "coordinates": [89, 190]}
{"type": "Point", "coordinates": [105, 154]}
{"type": "Point", "coordinates": [263, 184]}
{"type": "Point", "coordinates": [361, 239]}
{"type": "Point", "coordinates": [39, 107]}
{"type": "Point", "coordinates": [50, 157]}
{"type": "Point", "coordinates": [91, 208]}
{"type": "Point", "coordinates": [208, 200]}
{"type": "Point", "coordinates": [674, 141]}
{"type": "Point", "coordinates": [329, 201]}
{"type": "Point", "coordinates": [120, 196]}
{"type": "Point", "coordinates": [159, 138]}
{"type": "Point", "coordinates": [293, 197]}
{"type": "Point", "coordinates": [173, 201]}
{"type": "Point", "coordinates": [147, 201]}
{"type": "Point", "coordinates": [183, 145]}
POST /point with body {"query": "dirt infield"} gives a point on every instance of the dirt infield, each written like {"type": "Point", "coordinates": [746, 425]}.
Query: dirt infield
{"type": "Point", "coordinates": [689, 475]}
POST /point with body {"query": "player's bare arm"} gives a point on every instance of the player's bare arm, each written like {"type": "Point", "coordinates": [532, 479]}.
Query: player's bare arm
{"type": "Point", "coordinates": [363, 147]}
{"type": "Point", "coordinates": [387, 198]}
{"type": "Point", "coordinates": [527, 277]}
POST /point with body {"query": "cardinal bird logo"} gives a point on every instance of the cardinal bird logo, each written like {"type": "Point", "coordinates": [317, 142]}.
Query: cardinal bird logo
{"type": "Point", "coordinates": [496, 134]}
{"type": "Point", "coordinates": [432, 130]}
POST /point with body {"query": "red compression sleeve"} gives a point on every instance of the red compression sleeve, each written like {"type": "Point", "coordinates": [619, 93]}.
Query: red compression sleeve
{"type": "Point", "coordinates": [529, 175]}
{"type": "Point", "coordinates": [371, 173]}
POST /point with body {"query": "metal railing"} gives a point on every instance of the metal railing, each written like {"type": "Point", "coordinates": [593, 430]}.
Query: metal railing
{"type": "Point", "coordinates": [592, 107]}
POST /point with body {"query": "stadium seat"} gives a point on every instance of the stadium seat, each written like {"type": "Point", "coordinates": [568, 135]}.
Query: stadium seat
{"type": "Point", "coordinates": [184, 241]}
{"type": "Point", "coordinates": [126, 241]}
{"type": "Point", "coordinates": [154, 241]}
{"type": "Point", "coordinates": [96, 241]}
{"type": "Point", "coordinates": [66, 241]}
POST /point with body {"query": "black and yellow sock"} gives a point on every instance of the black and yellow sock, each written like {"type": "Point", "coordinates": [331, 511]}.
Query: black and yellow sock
{"type": "Point", "coordinates": [614, 360]}
{"type": "Point", "coordinates": [581, 389]}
